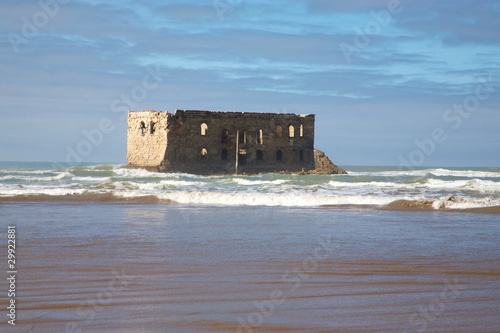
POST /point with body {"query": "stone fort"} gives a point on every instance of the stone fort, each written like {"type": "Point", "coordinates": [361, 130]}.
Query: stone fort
{"type": "Point", "coordinates": [215, 142]}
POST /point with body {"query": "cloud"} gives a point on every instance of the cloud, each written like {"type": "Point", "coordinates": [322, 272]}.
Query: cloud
{"type": "Point", "coordinates": [257, 56]}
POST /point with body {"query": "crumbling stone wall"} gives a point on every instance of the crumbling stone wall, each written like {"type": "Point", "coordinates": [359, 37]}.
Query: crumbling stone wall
{"type": "Point", "coordinates": [208, 142]}
{"type": "Point", "coordinates": [146, 138]}
{"type": "Point", "coordinates": [323, 165]}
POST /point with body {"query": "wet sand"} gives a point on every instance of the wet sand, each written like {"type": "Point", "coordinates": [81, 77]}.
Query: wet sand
{"type": "Point", "coordinates": [122, 267]}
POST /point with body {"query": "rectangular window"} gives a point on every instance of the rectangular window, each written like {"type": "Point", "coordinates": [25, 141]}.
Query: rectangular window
{"type": "Point", "coordinates": [225, 136]}
{"type": "Point", "coordinates": [242, 137]}
{"type": "Point", "coordinates": [259, 137]}
{"type": "Point", "coordinates": [260, 155]}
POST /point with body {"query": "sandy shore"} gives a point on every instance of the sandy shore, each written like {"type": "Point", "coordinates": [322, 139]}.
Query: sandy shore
{"type": "Point", "coordinates": [121, 267]}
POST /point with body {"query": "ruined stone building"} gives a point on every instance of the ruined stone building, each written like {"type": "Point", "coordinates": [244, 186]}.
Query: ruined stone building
{"type": "Point", "coordinates": [210, 142]}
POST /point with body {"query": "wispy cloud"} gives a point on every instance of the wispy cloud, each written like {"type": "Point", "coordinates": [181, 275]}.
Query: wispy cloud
{"type": "Point", "coordinates": [262, 55]}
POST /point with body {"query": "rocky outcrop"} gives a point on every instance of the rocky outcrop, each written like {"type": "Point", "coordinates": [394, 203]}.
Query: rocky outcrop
{"type": "Point", "coordinates": [323, 165]}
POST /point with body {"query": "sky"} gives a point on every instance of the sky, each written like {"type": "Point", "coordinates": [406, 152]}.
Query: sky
{"type": "Point", "coordinates": [392, 83]}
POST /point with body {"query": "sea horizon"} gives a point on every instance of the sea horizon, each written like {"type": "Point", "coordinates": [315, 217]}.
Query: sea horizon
{"type": "Point", "coordinates": [124, 162]}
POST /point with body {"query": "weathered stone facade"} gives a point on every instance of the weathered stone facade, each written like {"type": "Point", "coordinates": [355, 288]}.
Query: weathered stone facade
{"type": "Point", "coordinates": [209, 142]}
{"type": "Point", "coordinates": [147, 138]}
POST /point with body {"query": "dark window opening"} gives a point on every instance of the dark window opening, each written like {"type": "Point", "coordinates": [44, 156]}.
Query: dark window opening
{"type": "Point", "coordinates": [142, 127]}
{"type": "Point", "coordinates": [242, 137]}
{"type": "Point", "coordinates": [279, 131]}
{"type": "Point", "coordinates": [260, 155]}
{"type": "Point", "coordinates": [279, 155]}
{"type": "Point", "coordinates": [223, 154]}
{"type": "Point", "coordinates": [301, 155]}
{"type": "Point", "coordinates": [152, 128]}
{"type": "Point", "coordinates": [242, 157]}
{"type": "Point", "coordinates": [225, 136]}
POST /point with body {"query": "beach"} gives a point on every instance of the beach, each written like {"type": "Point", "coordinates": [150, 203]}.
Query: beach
{"type": "Point", "coordinates": [109, 262]}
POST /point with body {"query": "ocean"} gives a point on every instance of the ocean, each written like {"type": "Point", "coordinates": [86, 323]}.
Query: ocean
{"type": "Point", "coordinates": [104, 248]}
{"type": "Point", "coordinates": [438, 188]}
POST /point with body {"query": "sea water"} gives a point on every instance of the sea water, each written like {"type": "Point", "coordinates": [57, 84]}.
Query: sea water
{"type": "Point", "coordinates": [103, 248]}
{"type": "Point", "coordinates": [379, 186]}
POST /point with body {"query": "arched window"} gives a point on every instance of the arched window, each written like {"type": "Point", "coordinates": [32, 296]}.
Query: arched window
{"type": "Point", "coordinates": [301, 131]}
{"type": "Point", "coordinates": [204, 153]}
{"type": "Point", "coordinates": [225, 136]}
{"type": "Point", "coordinates": [279, 131]}
{"type": "Point", "coordinates": [142, 128]}
{"type": "Point", "coordinates": [152, 128]}
{"type": "Point", "coordinates": [260, 155]}
{"type": "Point", "coordinates": [291, 131]}
{"type": "Point", "coordinates": [223, 154]}
{"type": "Point", "coordinates": [259, 137]}
{"type": "Point", "coordinates": [204, 129]}
{"type": "Point", "coordinates": [279, 155]}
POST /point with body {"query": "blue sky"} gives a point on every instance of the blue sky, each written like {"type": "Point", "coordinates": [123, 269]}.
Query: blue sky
{"type": "Point", "coordinates": [391, 82]}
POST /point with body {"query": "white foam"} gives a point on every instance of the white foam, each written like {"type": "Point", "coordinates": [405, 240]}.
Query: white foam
{"type": "Point", "coordinates": [242, 181]}
{"type": "Point", "coordinates": [448, 202]}
{"type": "Point", "coordinates": [179, 183]}
{"type": "Point", "coordinates": [486, 186]}
{"type": "Point", "coordinates": [136, 173]}
{"type": "Point", "coordinates": [35, 172]}
{"type": "Point", "coordinates": [118, 185]}
{"type": "Point", "coordinates": [130, 194]}
{"type": "Point", "coordinates": [367, 184]}
{"type": "Point", "coordinates": [483, 186]}
{"type": "Point", "coordinates": [270, 199]}
{"type": "Point", "coordinates": [464, 173]}
{"type": "Point", "coordinates": [46, 191]}
{"type": "Point", "coordinates": [439, 172]}
{"type": "Point", "coordinates": [155, 186]}
{"type": "Point", "coordinates": [60, 176]}
{"type": "Point", "coordinates": [414, 173]}
{"type": "Point", "coordinates": [92, 179]}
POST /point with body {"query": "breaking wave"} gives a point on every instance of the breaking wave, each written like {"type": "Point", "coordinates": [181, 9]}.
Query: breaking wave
{"type": "Point", "coordinates": [435, 188]}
